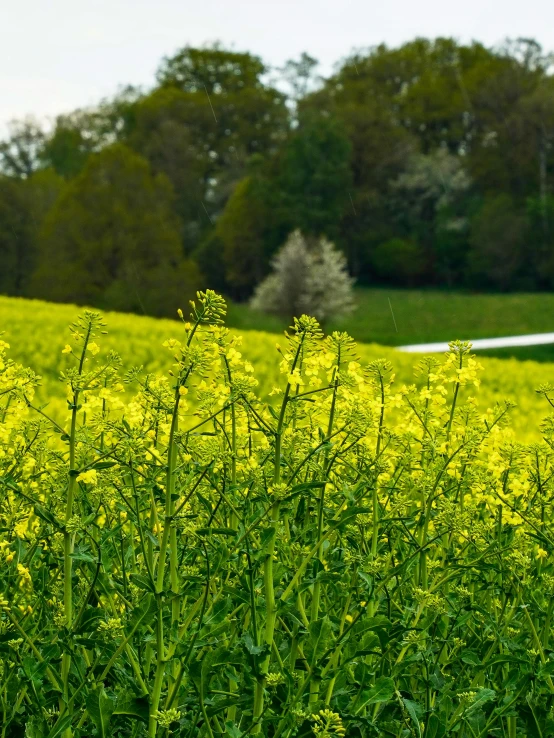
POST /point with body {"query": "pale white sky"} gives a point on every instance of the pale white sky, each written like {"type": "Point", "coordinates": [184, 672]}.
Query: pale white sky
{"type": "Point", "coordinates": [56, 55]}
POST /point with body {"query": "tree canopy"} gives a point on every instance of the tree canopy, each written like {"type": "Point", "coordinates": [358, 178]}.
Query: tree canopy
{"type": "Point", "coordinates": [112, 239]}
{"type": "Point", "coordinates": [430, 163]}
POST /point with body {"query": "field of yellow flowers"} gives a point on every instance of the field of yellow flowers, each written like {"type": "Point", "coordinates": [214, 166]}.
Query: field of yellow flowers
{"type": "Point", "coordinates": [243, 539]}
{"type": "Point", "coordinates": [36, 333]}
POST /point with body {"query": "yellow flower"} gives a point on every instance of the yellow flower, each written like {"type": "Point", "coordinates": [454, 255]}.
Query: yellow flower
{"type": "Point", "coordinates": [295, 380]}
{"type": "Point", "coordinates": [67, 349]}
{"type": "Point", "coordinates": [541, 553]}
{"type": "Point", "coordinates": [88, 477]}
{"type": "Point", "coordinates": [25, 581]}
{"type": "Point", "coordinates": [94, 348]}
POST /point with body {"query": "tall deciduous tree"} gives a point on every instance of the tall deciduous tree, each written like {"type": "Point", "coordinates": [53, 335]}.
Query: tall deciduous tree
{"type": "Point", "coordinates": [20, 153]}
{"type": "Point", "coordinates": [112, 239]}
{"type": "Point", "coordinates": [248, 232]}
{"type": "Point", "coordinates": [82, 132]}
{"type": "Point", "coordinates": [24, 204]}
{"type": "Point", "coordinates": [315, 177]}
{"type": "Point", "coordinates": [16, 244]}
{"type": "Point", "coordinates": [213, 110]}
{"type": "Point", "coordinates": [498, 240]}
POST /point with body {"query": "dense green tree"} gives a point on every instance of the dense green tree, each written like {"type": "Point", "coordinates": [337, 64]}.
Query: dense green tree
{"type": "Point", "coordinates": [540, 214]}
{"type": "Point", "coordinates": [428, 201]}
{"type": "Point", "coordinates": [112, 239]}
{"type": "Point", "coordinates": [82, 132]}
{"type": "Point", "coordinates": [210, 114]}
{"type": "Point", "coordinates": [171, 130]}
{"type": "Point", "coordinates": [211, 69]}
{"type": "Point", "coordinates": [246, 114]}
{"type": "Point", "coordinates": [23, 205]}
{"type": "Point", "coordinates": [399, 260]}
{"type": "Point", "coordinates": [315, 177]}
{"type": "Point", "coordinates": [16, 244]}
{"type": "Point", "coordinates": [20, 153]}
{"type": "Point", "coordinates": [498, 240]}
{"type": "Point", "coordinates": [248, 232]}
{"type": "Point", "coordinates": [491, 109]}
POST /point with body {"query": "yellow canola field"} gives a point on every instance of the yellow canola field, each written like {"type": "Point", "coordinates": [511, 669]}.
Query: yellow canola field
{"type": "Point", "coordinates": [38, 331]}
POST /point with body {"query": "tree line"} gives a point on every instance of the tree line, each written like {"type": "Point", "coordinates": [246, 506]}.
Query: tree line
{"type": "Point", "coordinates": [426, 164]}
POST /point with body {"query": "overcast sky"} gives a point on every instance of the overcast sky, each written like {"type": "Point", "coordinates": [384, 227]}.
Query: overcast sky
{"type": "Point", "coordinates": [56, 55]}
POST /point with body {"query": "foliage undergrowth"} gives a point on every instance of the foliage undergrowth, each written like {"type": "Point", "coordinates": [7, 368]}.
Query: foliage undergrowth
{"type": "Point", "coordinates": [351, 558]}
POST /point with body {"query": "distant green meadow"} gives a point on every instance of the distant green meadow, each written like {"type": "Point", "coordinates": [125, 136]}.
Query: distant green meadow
{"type": "Point", "coordinates": [395, 317]}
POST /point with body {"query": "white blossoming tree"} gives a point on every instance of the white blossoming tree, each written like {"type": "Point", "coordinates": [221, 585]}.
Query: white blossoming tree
{"type": "Point", "coordinates": [311, 279]}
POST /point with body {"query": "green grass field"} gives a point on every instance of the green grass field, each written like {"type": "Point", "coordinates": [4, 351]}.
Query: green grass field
{"type": "Point", "coordinates": [395, 317]}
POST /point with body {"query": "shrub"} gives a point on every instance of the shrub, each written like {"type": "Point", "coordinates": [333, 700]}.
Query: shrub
{"type": "Point", "coordinates": [311, 280]}
{"type": "Point", "coordinates": [399, 259]}
{"type": "Point", "coordinates": [353, 559]}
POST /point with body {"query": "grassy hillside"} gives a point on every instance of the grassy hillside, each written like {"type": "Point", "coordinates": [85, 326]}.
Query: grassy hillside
{"type": "Point", "coordinates": [37, 332]}
{"type": "Point", "coordinates": [395, 317]}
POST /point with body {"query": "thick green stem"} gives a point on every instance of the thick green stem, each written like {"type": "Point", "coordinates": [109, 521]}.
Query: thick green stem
{"type": "Point", "coordinates": [169, 536]}
{"type": "Point", "coordinates": [160, 671]}
{"type": "Point", "coordinates": [69, 538]}
{"type": "Point", "coordinates": [316, 593]}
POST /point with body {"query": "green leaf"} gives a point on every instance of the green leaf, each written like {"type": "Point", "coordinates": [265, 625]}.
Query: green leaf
{"type": "Point", "coordinates": [232, 730]}
{"type": "Point", "coordinates": [415, 711]}
{"type": "Point", "coordinates": [436, 728]}
{"type": "Point", "coordinates": [82, 553]}
{"type": "Point", "coordinates": [89, 643]}
{"type": "Point", "coordinates": [319, 632]}
{"type": "Point", "coordinates": [213, 658]}
{"type": "Point", "coordinates": [46, 515]}
{"type": "Point", "coordinates": [382, 691]}
{"type": "Point", "coordinates": [273, 412]}
{"type": "Point", "coordinates": [265, 536]}
{"type": "Point", "coordinates": [250, 646]}
{"type": "Point", "coordinates": [34, 670]}
{"type": "Point", "coordinates": [305, 487]}
{"type": "Point", "coordinates": [59, 726]}
{"type": "Point", "coordinates": [104, 465]}
{"type": "Point", "coordinates": [547, 669]}
{"type": "Point", "coordinates": [483, 696]}
{"type": "Point", "coordinates": [470, 657]}
{"type": "Point", "coordinates": [145, 615]}
{"type": "Point", "coordinates": [506, 658]}
{"type": "Point", "coordinates": [100, 708]}
{"type": "Point", "coordinates": [350, 513]}
{"type": "Point", "coordinates": [131, 706]}
{"type": "Point", "coordinates": [142, 582]}
{"type": "Point", "coordinates": [90, 616]}
{"type": "Point", "coordinates": [241, 595]}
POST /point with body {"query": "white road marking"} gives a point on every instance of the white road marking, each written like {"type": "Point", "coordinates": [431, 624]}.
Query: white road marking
{"type": "Point", "coordinates": [532, 339]}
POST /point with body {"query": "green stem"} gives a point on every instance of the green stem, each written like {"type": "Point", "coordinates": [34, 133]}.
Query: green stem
{"type": "Point", "coordinates": [69, 538]}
